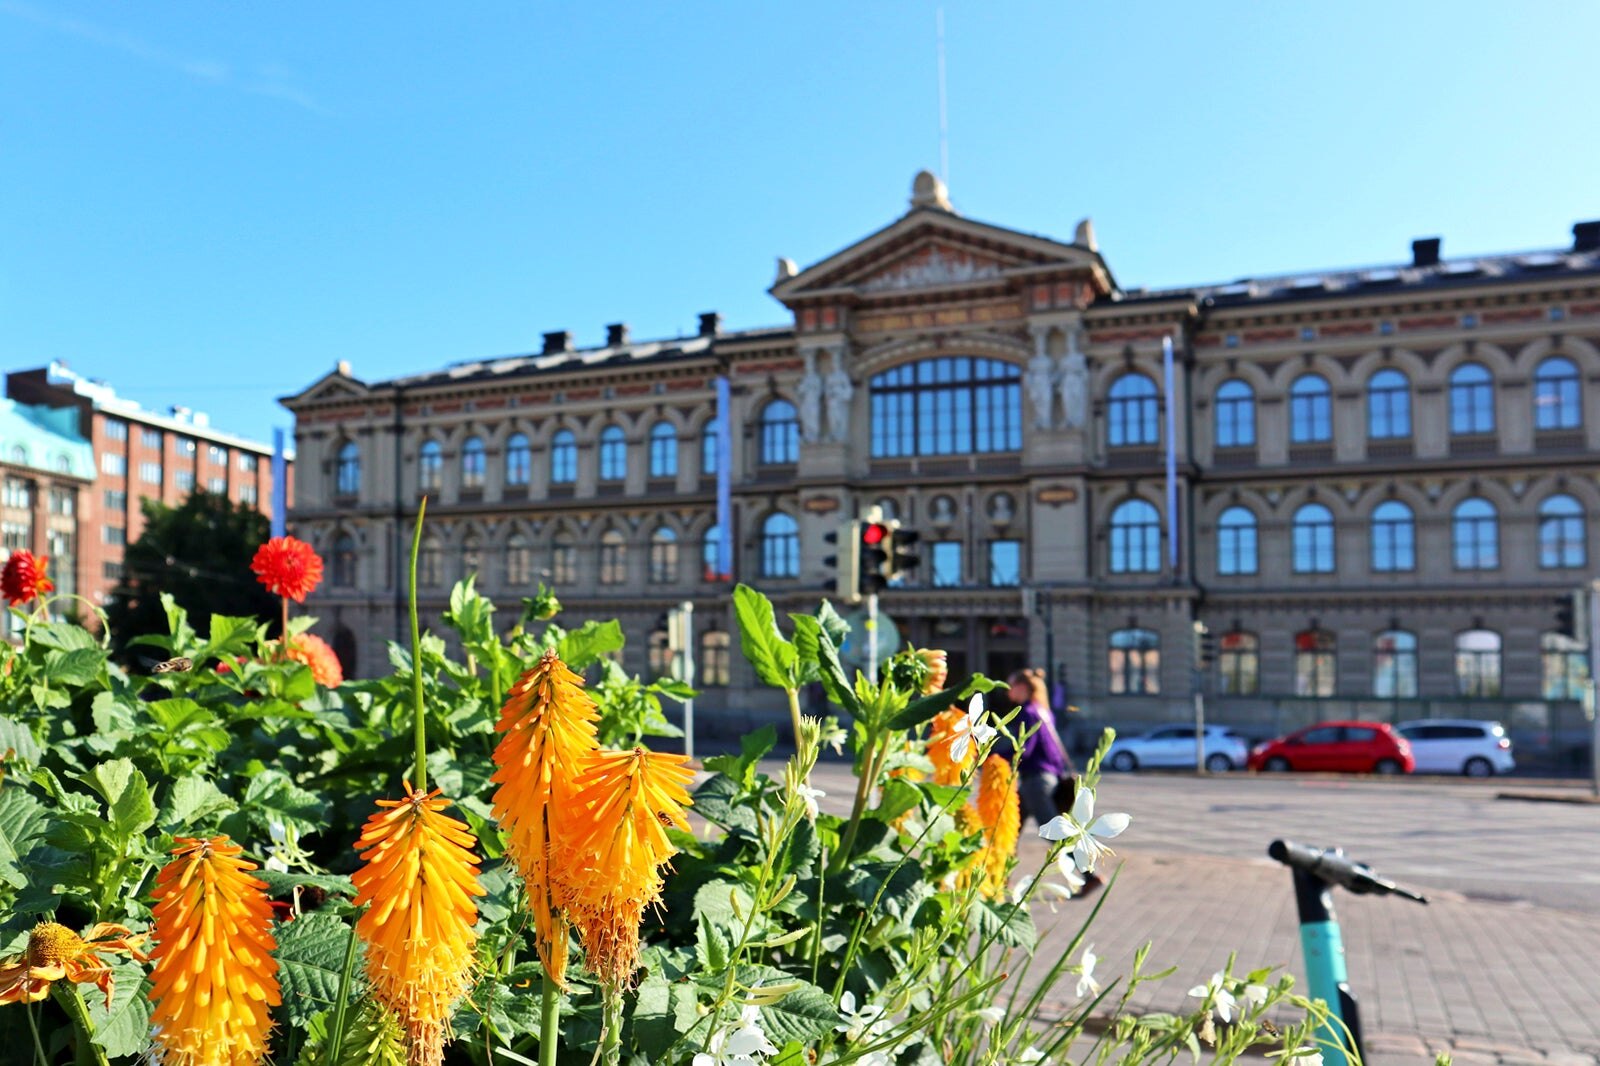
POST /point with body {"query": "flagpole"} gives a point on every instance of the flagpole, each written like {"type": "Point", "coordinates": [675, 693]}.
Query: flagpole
{"type": "Point", "coordinates": [1172, 455]}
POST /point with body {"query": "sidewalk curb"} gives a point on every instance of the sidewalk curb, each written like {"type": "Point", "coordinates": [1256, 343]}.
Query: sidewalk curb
{"type": "Point", "coordinates": [1549, 797]}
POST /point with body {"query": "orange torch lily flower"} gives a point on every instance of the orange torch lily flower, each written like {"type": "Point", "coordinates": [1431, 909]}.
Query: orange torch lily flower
{"type": "Point", "coordinates": [942, 735]}
{"type": "Point", "coordinates": [215, 981]}
{"type": "Point", "coordinates": [1000, 813]}
{"type": "Point", "coordinates": [56, 953]}
{"type": "Point", "coordinates": [418, 879]}
{"type": "Point", "coordinates": [547, 727]}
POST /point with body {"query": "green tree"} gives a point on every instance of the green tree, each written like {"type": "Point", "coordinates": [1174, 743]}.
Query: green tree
{"type": "Point", "coordinates": [199, 552]}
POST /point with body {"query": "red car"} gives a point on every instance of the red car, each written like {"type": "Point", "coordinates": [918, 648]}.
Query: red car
{"type": "Point", "coordinates": [1337, 747]}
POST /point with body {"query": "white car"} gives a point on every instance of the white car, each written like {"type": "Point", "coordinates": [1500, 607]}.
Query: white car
{"type": "Point", "coordinates": [1459, 746]}
{"type": "Point", "coordinates": [1173, 745]}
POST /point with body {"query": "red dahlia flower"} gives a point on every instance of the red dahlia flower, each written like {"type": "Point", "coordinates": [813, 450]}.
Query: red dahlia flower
{"type": "Point", "coordinates": [288, 567]}
{"type": "Point", "coordinates": [24, 579]}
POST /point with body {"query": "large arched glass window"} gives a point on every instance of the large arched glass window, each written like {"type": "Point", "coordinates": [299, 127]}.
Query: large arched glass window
{"type": "Point", "coordinates": [1315, 662]}
{"type": "Point", "coordinates": [1236, 415]}
{"type": "Point", "coordinates": [430, 466]}
{"type": "Point", "coordinates": [519, 459]}
{"type": "Point", "coordinates": [780, 433]}
{"type": "Point", "coordinates": [1134, 662]}
{"type": "Point", "coordinates": [780, 546]}
{"type": "Point", "coordinates": [1131, 411]}
{"type": "Point", "coordinates": [1135, 538]}
{"type": "Point", "coordinates": [1239, 664]}
{"type": "Point", "coordinates": [1394, 537]}
{"type": "Point", "coordinates": [1236, 541]}
{"type": "Point", "coordinates": [1313, 540]}
{"type": "Point", "coordinates": [663, 450]}
{"type": "Point", "coordinates": [1478, 663]}
{"type": "Point", "coordinates": [952, 405]}
{"type": "Point", "coordinates": [1388, 405]}
{"type": "Point", "coordinates": [710, 552]}
{"type": "Point", "coordinates": [613, 454]}
{"type": "Point", "coordinates": [613, 558]}
{"type": "Point", "coordinates": [347, 480]}
{"type": "Point", "coordinates": [563, 457]}
{"type": "Point", "coordinates": [519, 561]}
{"type": "Point", "coordinates": [1475, 535]}
{"type": "Point", "coordinates": [1471, 400]}
{"type": "Point", "coordinates": [1561, 539]}
{"type": "Point", "coordinates": [1394, 665]}
{"type": "Point", "coordinates": [663, 557]}
{"type": "Point", "coordinates": [473, 463]}
{"type": "Point", "coordinates": [344, 561]}
{"type": "Point", "coordinates": [1310, 410]}
{"type": "Point", "coordinates": [1566, 667]}
{"type": "Point", "coordinates": [1557, 402]}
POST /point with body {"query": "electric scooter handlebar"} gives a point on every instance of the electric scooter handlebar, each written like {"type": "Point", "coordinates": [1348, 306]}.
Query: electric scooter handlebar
{"type": "Point", "coordinates": [1332, 867]}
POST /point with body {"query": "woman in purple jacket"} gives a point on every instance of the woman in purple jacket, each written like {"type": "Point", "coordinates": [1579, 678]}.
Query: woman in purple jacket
{"type": "Point", "coordinates": [1044, 760]}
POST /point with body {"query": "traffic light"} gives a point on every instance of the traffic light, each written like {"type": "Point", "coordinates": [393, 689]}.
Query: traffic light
{"type": "Point", "coordinates": [1205, 643]}
{"type": "Point", "coordinates": [1572, 619]}
{"type": "Point", "coordinates": [846, 562]}
{"type": "Point", "coordinates": [874, 546]}
{"type": "Point", "coordinates": [903, 557]}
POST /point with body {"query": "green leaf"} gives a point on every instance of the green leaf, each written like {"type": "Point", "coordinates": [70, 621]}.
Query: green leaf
{"type": "Point", "coordinates": [229, 635]}
{"type": "Point", "coordinates": [62, 636]}
{"type": "Point", "coordinates": [191, 800]}
{"type": "Point", "coordinates": [775, 660]}
{"type": "Point", "coordinates": [130, 808]}
{"type": "Point", "coordinates": [920, 710]}
{"type": "Point", "coordinates": [710, 946]}
{"type": "Point", "coordinates": [23, 820]}
{"type": "Point", "coordinates": [802, 1015]}
{"type": "Point", "coordinates": [584, 647]}
{"type": "Point", "coordinates": [753, 747]}
{"type": "Point", "coordinates": [719, 801]}
{"type": "Point", "coordinates": [75, 668]}
{"type": "Point", "coordinates": [662, 1012]}
{"type": "Point", "coordinates": [124, 1027]}
{"type": "Point", "coordinates": [311, 952]}
{"type": "Point", "coordinates": [282, 885]}
{"type": "Point", "coordinates": [905, 887]}
{"type": "Point", "coordinates": [1011, 926]}
{"type": "Point", "coordinates": [271, 796]}
{"type": "Point", "coordinates": [17, 737]}
{"type": "Point", "coordinates": [899, 796]}
{"type": "Point", "coordinates": [714, 903]}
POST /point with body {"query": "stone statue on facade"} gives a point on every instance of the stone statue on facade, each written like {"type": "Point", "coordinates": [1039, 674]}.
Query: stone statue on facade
{"type": "Point", "coordinates": [839, 391]}
{"type": "Point", "coordinates": [1074, 383]}
{"type": "Point", "coordinates": [1040, 380]}
{"type": "Point", "coordinates": [809, 394]}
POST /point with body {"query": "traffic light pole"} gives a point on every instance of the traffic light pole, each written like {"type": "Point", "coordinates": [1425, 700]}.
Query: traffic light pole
{"type": "Point", "coordinates": [1593, 592]}
{"type": "Point", "coordinates": [872, 637]}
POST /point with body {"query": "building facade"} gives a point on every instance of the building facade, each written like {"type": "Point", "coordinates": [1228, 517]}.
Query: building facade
{"type": "Point", "coordinates": [136, 455]}
{"type": "Point", "coordinates": [46, 469]}
{"type": "Point", "coordinates": [1369, 485]}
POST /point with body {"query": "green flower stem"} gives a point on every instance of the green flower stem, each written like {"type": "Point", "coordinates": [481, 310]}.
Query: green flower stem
{"type": "Point", "coordinates": [877, 753]}
{"type": "Point", "coordinates": [39, 1056]}
{"type": "Point", "coordinates": [420, 777]}
{"type": "Point", "coordinates": [549, 1022]}
{"type": "Point", "coordinates": [611, 1031]}
{"type": "Point", "coordinates": [337, 1027]}
{"type": "Point", "coordinates": [66, 994]}
{"type": "Point", "coordinates": [794, 715]}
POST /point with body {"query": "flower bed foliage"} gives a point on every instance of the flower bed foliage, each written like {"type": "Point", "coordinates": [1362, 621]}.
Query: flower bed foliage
{"type": "Point", "coordinates": [474, 860]}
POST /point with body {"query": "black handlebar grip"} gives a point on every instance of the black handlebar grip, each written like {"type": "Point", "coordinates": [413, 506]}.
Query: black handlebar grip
{"type": "Point", "coordinates": [1329, 866]}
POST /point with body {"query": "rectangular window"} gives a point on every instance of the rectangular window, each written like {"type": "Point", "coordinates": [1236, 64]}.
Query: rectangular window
{"type": "Point", "coordinates": [112, 571]}
{"type": "Point", "coordinates": [116, 429]}
{"type": "Point", "coordinates": [184, 479]}
{"type": "Point", "coordinates": [150, 438]}
{"type": "Point", "coordinates": [150, 473]}
{"type": "Point", "coordinates": [564, 564]}
{"type": "Point", "coordinates": [63, 502]}
{"type": "Point", "coordinates": [217, 454]}
{"type": "Point", "coordinates": [218, 486]}
{"type": "Point", "coordinates": [14, 536]}
{"type": "Point", "coordinates": [116, 536]}
{"type": "Point", "coordinates": [116, 502]}
{"type": "Point", "coordinates": [113, 464]}
{"type": "Point", "coordinates": [186, 446]}
{"type": "Point", "coordinates": [946, 557]}
{"type": "Point", "coordinates": [17, 494]}
{"type": "Point", "coordinates": [247, 462]}
{"type": "Point", "coordinates": [714, 658]}
{"type": "Point", "coordinates": [1005, 563]}
{"type": "Point", "coordinates": [247, 494]}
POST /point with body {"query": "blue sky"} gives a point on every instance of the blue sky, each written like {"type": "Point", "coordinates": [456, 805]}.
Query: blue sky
{"type": "Point", "coordinates": [209, 204]}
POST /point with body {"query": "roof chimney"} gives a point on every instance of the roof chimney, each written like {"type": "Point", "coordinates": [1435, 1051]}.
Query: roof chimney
{"type": "Point", "coordinates": [710, 324]}
{"type": "Point", "coordinates": [558, 340]}
{"type": "Point", "coordinates": [1586, 237]}
{"type": "Point", "coordinates": [1425, 252]}
{"type": "Point", "coordinates": [616, 334]}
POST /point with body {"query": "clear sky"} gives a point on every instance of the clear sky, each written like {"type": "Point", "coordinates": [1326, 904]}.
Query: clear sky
{"type": "Point", "coordinates": [209, 204]}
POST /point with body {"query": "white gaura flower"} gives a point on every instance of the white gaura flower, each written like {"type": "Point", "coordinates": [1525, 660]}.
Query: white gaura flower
{"type": "Point", "coordinates": [1031, 1054]}
{"type": "Point", "coordinates": [970, 731]}
{"type": "Point", "coordinates": [993, 1015]}
{"type": "Point", "coordinates": [869, 1020]}
{"type": "Point", "coordinates": [809, 797]}
{"type": "Point", "coordinates": [1215, 991]}
{"type": "Point", "coordinates": [1082, 832]}
{"type": "Point", "coordinates": [1087, 985]}
{"type": "Point", "coordinates": [1300, 1056]}
{"type": "Point", "coordinates": [746, 1045]}
{"type": "Point", "coordinates": [1255, 996]}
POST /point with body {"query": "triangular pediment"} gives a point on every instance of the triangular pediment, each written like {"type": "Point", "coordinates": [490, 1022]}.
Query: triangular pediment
{"type": "Point", "coordinates": [932, 248]}
{"type": "Point", "coordinates": [335, 385]}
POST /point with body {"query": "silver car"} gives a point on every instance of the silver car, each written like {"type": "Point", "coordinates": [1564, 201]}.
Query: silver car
{"type": "Point", "coordinates": [1459, 746]}
{"type": "Point", "coordinates": [1173, 746]}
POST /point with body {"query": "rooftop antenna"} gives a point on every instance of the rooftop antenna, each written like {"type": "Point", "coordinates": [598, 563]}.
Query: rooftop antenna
{"type": "Point", "coordinates": [944, 120]}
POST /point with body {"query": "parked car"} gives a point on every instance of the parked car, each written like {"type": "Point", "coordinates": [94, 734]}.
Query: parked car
{"type": "Point", "coordinates": [1459, 746]}
{"type": "Point", "coordinates": [1173, 745]}
{"type": "Point", "coordinates": [1337, 747]}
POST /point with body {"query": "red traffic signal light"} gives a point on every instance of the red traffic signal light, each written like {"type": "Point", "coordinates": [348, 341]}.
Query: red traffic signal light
{"type": "Point", "coordinates": [874, 533]}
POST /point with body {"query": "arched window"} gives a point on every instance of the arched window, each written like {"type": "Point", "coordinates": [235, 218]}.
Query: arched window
{"type": "Point", "coordinates": [62, 464]}
{"type": "Point", "coordinates": [951, 405]}
{"type": "Point", "coordinates": [563, 560]}
{"type": "Point", "coordinates": [663, 450]}
{"type": "Point", "coordinates": [1566, 667]}
{"type": "Point", "coordinates": [1471, 400]}
{"type": "Point", "coordinates": [430, 466]}
{"type": "Point", "coordinates": [344, 649]}
{"type": "Point", "coordinates": [430, 563]}
{"type": "Point", "coordinates": [714, 646]}
{"type": "Point", "coordinates": [1394, 537]}
{"type": "Point", "coordinates": [1561, 539]}
{"type": "Point", "coordinates": [1313, 540]}
{"type": "Point", "coordinates": [1475, 535]}
{"type": "Point", "coordinates": [1131, 411]}
{"type": "Point", "coordinates": [1315, 660]}
{"type": "Point", "coordinates": [663, 557]}
{"type": "Point", "coordinates": [780, 546]}
{"type": "Point", "coordinates": [1236, 541]}
{"type": "Point", "coordinates": [1478, 663]}
{"type": "Point", "coordinates": [19, 455]}
{"type": "Point", "coordinates": [613, 558]}
{"type": "Point", "coordinates": [780, 433]}
{"type": "Point", "coordinates": [1236, 415]}
{"type": "Point", "coordinates": [710, 549]}
{"type": "Point", "coordinates": [708, 449]}
{"type": "Point", "coordinates": [471, 556]}
{"type": "Point", "coordinates": [613, 454]}
{"type": "Point", "coordinates": [344, 561]}
{"type": "Point", "coordinates": [473, 463]}
{"type": "Point", "coordinates": [1394, 665]}
{"type": "Point", "coordinates": [1239, 664]}
{"type": "Point", "coordinates": [1388, 405]}
{"type": "Point", "coordinates": [660, 653]}
{"type": "Point", "coordinates": [347, 478]}
{"type": "Point", "coordinates": [563, 457]}
{"type": "Point", "coordinates": [1135, 538]}
{"type": "Point", "coordinates": [1556, 399]}
{"type": "Point", "coordinates": [1310, 410]}
{"type": "Point", "coordinates": [1134, 662]}
{"type": "Point", "coordinates": [519, 561]}
{"type": "Point", "coordinates": [519, 459]}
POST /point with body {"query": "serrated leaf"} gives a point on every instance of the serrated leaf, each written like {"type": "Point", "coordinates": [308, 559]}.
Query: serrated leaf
{"type": "Point", "coordinates": [718, 801]}
{"type": "Point", "coordinates": [901, 883]}
{"type": "Point", "coordinates": [23, 820]}
{"type": "Point", "coordinates": [124, 1027]}
{"type": "Point", "coordinates": [63, 636]}
{"type": "Point", "coordinates": [710, 945]}
{"type": "Point", "coordinates": [74, 668]}
{"type": "Point", "coordinates": [801, 1015]}
{"type": "Point", "coordinates": [194, 799]}
{"type": "Point", "coordinates": [584, 647]}
{"type": "Point", "coordinates": [663, 1011]}
{"type": "Point", "coordinates": [1010, 926]}
{"type": "Point", "coordinates": [310, 955]}
{"type": "Point", "coordinates": [129, 806]}
{"type": "Point", "coordinates": [18, 737]}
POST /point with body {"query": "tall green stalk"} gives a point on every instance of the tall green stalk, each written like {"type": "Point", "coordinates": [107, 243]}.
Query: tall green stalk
{"type": "Point", "coordinates": [549, 1022]}
{"type": "Point", "coordinates": [420, 777]}
{"type": "Point", "coordinates": [66, 994]}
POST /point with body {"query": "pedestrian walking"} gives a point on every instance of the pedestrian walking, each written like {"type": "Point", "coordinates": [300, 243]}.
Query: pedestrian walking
{"type": "Point", "coordinates": [1044, 762]}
